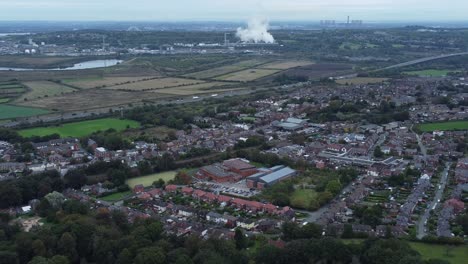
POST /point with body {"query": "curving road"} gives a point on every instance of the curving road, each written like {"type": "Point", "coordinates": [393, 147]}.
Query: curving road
{"type": "Point", "coordinates": [409, 63]}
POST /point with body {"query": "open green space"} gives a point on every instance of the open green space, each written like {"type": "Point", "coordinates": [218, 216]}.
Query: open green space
{"type": "Point", "coordinates": [80, 129]}
{"type": "Point", "coordinates": [4, 100]}
{"type": "Point", "coordinates": [452, 254]}
{"type": "Point", "coordinates": [149, 179]}
{"type": "Point", "coordinates": [444, 126]}
{"type": "Point", "coordinates": [456, 255]}
{"type": "Point", "coordinates": [301, 198]}
{"type": "Point", "coordinates": [431, 73]}
{"type": "Point", "coordinates": [115, 196]}
{"type": "Point", "coordinates": [11, 111]}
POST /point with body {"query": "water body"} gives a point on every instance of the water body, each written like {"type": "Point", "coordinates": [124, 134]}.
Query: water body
{"type": "Point", "coordinates": [78, 66]}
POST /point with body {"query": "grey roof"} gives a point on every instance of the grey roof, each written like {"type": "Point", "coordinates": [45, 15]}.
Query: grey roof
{"type": "Point", "coordinates": [216, 170]}
{"type": "Point", "coordinates": [277, 175]}
{"type": "Point", "coordinates": [295, 120]}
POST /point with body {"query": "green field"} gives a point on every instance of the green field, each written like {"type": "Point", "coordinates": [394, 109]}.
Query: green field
{"type": "Point", "coordinates": [148, 180]}
{"type": "Point", "coordinates": [444, 126]}
{"type": "Point", "coordinates": [430, 73]}
{"type": "Point", "coordinates": [11, 111]}
{"type": "Point", "coordinates": [4, 100]}
{"type": "Point", "coordinates": [80, 129]}
{"type": "Point", "coordinates": [115, 196]}
{"type": "Point", "coordinates": [301, 198]}
{"type": "Point", "coordinates": [457, 254]}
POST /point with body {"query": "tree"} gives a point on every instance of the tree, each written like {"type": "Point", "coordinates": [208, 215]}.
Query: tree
{"type": "Point", "coordinates": [67, 246]}
{"type": "Point", "coordinates": [10, 195]}
{"type": "Point", "coordinates": [347, 231]}
{"type": "Point", "coordinates": [153, 255]}
{"type": "Point", "coordinates": [311, 230]}
{"type": "Point", "coordinates": [240, 239]}
{"type": "Point", "coordinates": [182, 178]}
{"type": "Point", "coordinates": [75, 178]}
{"type": "Point", "coordinates": [334, 187]}
{"type": "Point", "coordinates": [124, 257]}
{"type": "Point", "coordinates": [159, 183]}
{"type": "Point", "coordinates": [378, 152]}
{"type": "Point", "coordinates": [39, 248]}
{"type": "Point", "coordinates": [55, 199]}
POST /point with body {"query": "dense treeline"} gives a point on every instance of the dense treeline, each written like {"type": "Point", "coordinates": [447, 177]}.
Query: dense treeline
{"type": "Point", "coordinates": [20, 191]}
{"type": "Point", "coordinates": [73, 234]}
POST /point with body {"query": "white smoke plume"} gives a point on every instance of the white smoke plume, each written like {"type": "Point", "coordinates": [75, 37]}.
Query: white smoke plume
{"type": "Point", "coordinates": [256, 32]}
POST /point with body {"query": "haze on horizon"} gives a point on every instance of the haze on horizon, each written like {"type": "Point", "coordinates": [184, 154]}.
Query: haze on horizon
{"type": "Point", "coordinates": [233, 10]}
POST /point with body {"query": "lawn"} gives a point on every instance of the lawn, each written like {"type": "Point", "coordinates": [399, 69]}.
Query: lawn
{"type": "Point", "coordinates": [115, 196]}
{"type": "Point", "coordinates": [444, 126]}
{"type": "Point", "coordinates": [4, 100]}
{"type": "Point", "coordinates": [149, 179]}
{"type": "Point", "coordinates": [457, 255]}
{"type": "Point", "coordinates": [431, 73]}
{"type": "Point", "coordinates": [301, 198]}
{"type": "Point", "coordinates": [80, 129]}
{"type": "Point", "coordinates": [11, 111]}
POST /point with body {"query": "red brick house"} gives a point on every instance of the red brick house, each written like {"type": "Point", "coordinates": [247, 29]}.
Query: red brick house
{"type": "Point", "coordinates": [171, 188]}
{"type": "Point", "coordinates": [138, 188]}
{"type": "Point", "coordinates": [187, 190]}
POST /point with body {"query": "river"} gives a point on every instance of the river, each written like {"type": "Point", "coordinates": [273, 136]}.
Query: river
{"type": "Point", "coordinates": [77, 66]}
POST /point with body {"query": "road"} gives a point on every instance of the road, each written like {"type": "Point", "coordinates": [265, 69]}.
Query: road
{"type": "Point", "coordinates": [439, 192]}
{"type": "Point", "coordinates": [408, 63]}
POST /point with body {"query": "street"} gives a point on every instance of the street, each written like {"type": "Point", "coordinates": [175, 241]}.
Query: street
{"type": "Point", "coordinates": [439, 192]}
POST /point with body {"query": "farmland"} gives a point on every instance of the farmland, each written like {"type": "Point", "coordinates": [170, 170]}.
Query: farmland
{"type": "Point", "coordinates": [361, 80]}
{"type": "Point", "coordinates": [11, 111]}
{"type": "Point", "coordinates": [201, 88]}
{"type": "Point", "coordinates": [148, 180]}
{"type": "Point", "coordinates": [155, 84]}
{"type": "Point", "coordinates": [284, 65]}
{"type": "Point", "coordinates": [80, 129]}
{"type": "Point", "coordinates": [430, 73]}
{"type": "Point", "coordinates": [91, 99]}
{"type": "Point", "coordinates": [219, 71]}
{"type": "Point", "coordinates": [444, 126]}
{"type": "Point", "coordinates": [320, 70]}
{"type": "Point", "coordinates": [247, 75]}
{"type": "Point", "coordinates": [41, 89]}
{"type": "Point", "coordinates": [100, 82]}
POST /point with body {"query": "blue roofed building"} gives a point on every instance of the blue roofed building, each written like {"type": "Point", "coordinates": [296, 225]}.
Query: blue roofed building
{"type": "Point", "coordinates": [269, 177]}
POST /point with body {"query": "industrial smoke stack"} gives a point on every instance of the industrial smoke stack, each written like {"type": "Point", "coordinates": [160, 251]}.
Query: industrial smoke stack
{"type": "Point", "coordinates": [256, 32]}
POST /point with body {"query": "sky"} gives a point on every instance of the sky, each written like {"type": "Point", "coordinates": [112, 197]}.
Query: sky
{"type": "Point", "coordinates": [234, 10]}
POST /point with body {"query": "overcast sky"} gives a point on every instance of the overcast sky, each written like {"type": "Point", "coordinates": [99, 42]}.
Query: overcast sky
{"type": "Point", "coordinates": [234, 10]}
